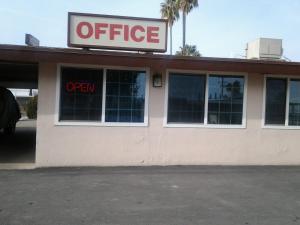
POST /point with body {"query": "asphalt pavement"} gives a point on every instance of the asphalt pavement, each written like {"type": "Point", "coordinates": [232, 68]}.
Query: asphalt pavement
{"type": "Point", "coordinates": [151, 195]}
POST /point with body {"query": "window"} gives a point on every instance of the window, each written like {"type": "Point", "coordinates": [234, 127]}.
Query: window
{"type": "Point", "coordinates": [225, 99]}
{"type": "Point", "coordinates": [81, 94]}
{"type": "Point", "coordinates": [282, 102]}
{"type": "Point", "coordinates": [186, 98]}
{"type": "Point", "coordinates": [125, 96]}
{"type": "Point", "coordinates": [84, 98]}
{"type": "Point", "coordinates": [205, 100]}
{"type": "Point", "coordinates": [275, 101]}
{"type": "Point", "coordinates": [294, 104]}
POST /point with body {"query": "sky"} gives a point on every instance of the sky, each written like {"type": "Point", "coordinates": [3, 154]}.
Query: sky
{"type": "Point", "coordinates": [219, 28]}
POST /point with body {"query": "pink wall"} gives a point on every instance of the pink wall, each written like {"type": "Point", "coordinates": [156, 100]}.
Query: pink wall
{"type": "Point", "coordinates": [158, 145]}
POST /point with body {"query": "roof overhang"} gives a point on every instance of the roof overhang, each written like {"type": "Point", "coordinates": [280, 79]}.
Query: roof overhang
{"type": "Point", "coordinates": [18, 75]}
{"type": "Point", "coordinates": [155, 61]}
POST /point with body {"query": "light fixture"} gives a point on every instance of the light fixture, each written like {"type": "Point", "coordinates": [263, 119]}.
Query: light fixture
{"type": "Point", "coordinates": [157, 80]}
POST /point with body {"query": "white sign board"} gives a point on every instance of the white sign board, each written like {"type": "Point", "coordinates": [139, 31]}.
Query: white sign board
{"type": "Point", "coordinates": [116, 32]}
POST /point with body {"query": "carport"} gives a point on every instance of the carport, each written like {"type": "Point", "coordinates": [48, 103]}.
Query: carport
{"type": "Point", "coordinates": [19, 147]}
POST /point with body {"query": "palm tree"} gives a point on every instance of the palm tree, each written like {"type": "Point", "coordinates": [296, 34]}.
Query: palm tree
{"type": "Point", "coordinates": [169, 11]}
{"type": "Point", "coordinates": [186, 7]}
{"type": "Point", "coordinates": [188, 50]}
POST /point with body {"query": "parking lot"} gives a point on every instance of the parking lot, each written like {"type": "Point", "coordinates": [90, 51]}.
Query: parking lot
{"type": "Point", "coordinates": [151, 195]}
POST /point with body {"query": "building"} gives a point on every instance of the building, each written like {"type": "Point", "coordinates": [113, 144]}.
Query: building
{"type": "Point", "coordinates": [256, 122]}
{"type": "Point", "coordinates": [110, 108]}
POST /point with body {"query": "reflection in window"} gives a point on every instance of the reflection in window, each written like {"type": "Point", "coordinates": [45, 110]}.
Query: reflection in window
{"type": "Point", "coordinates": [81, 94]}
{"type": "Point", "coordinates": [125, 96]}
{"type": "Point", "coordinates": [275, 101]}
{"type": "Point", "coordinates": [225, 99]}
{"type": "Point", "coordinates": [186, 98]}
{"type": "Point", "coordinates": [294, 104]}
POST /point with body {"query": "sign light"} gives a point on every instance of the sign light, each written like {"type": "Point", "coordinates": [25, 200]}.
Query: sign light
{"type": "Point", "coordinates": [80, 87]}
{"type": "Point", "coordinates": [30, 40]}
{"type": "Point", "coordinates": [117, 32]}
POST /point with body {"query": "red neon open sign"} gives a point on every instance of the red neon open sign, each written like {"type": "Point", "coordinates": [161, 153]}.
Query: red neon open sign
{"type": "Point", "coordinates": [81, 87]}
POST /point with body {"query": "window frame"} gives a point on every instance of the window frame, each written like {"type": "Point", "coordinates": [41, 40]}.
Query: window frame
{"type": "Point", "coordinates": [57, 122]}
{"type": "Point", "coordinates": [167, 100]}
{"type": "Point", "coordinates": [287, 103]}
{"type": "Point", "coordinates": [205, 124]}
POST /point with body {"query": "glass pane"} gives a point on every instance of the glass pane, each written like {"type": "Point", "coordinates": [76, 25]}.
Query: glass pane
{"type": "Point", "coordinates": [138, 116]}
{"type": "Point", "coordinates": [125, 96]}
{"type": "Point", "coordinates": [110, 115]}
{"type": "Point", "coordinates": [126, 89]}
{"type": "Point", "coordinates": [236, 118]}
{"type": "Point", "coordinates": [275, 101]}
{"type": "Point", "coordinates": [81, 94]}
{"type": "Point", "coordinates": [294, 105]}
{"type": "Point", "coordinates": [186, 98]}
{"type": "Point", "coordinates": [112, 102]}
{"type": "Point", "coordinates": [112, 89]}
{"type": "Point", "coordinates": [125, 115]}
{"type": "Point", "coordinates": [225, 99]}
{"type": "Point", "coordinates": [125, 102]}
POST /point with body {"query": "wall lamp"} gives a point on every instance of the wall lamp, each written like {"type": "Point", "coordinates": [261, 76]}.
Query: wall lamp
{"type": "Point", "coordinates": [157, 80]}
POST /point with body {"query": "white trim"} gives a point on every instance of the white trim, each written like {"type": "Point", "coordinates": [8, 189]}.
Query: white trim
{"type": "Point", "coordinates": [103, 96]}
{"type": "Point", "coordinates": [264, 103]}
{"type": "Point", "coordinates": [206, 72]}
{"type": "Point", "coordinates": [185, 125]}
{"type": "Point", "coordinates": [245, 100]}
{"type": "Point", "coordinates": [57, 94]}
{"type": "Point", "coordinates": [93, 66]}
{"type": "Point", "coordinates": [283, 127]}
{"type": "Point", "coordinates": [120, 124]}
{"type": "Point", "coordinates": [286, 126]}
{"type": "Point", "coordinates": [147, 92]}
{"type": "Point", "coordinates": [102, 122]}
{"type": "Point", "coordinates": [166, 102]}
{"type": "Point", "coordinates": [205, 123]}
{"type": "Point", "coordinates": [287, 102]}
{"type": "Point", "coordinates": [206, 100]}
{"type": "Point", "coordinates": [202, 125]}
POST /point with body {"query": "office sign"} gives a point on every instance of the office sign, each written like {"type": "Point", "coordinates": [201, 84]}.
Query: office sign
{"type": "Point", "coordinates": [117, 32]}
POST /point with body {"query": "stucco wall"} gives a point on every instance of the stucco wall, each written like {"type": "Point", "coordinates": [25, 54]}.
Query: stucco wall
{"type": "Point", "coordinates": [158, 145]}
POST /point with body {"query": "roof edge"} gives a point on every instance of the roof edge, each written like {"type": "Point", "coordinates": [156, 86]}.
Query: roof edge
{"type": "Point", "coordinates": [12, 47]}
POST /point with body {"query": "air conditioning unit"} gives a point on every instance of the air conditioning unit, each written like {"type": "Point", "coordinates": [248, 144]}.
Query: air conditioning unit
{"type": "Point", "coordinates": [265, 48]}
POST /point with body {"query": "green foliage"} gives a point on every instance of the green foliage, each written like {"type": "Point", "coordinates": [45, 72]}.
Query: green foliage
{"type": "Point", "coordinates": [31, 108]}
{"type": "Point", "coordinates": [187, 6]}
{"type": "Point", "coordinates": [188, 50]}
{"type": "Point", "coordinates": [169, 10]}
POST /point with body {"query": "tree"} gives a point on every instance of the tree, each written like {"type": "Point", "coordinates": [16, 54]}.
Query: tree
{"type": "Point", "coordinates": [169, 10]}
{"type": "Point", "coordinates": [186, 7]}
{"type": "Point", "coordinates": [188, 50]}
{"type": "Point", "coordinates": [31, 108]}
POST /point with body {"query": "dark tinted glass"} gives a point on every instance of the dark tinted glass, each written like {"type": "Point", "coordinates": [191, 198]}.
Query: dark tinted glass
{"type": "Point", "coordinates": [225, 99]}
{"type": "Point", "coordinates": [275, 101]}
{"type": "Point", "coordinates": [125, 96]}
{"type": "Point", "coordinates": [81, 94]}
{"type": "Point", "coordinates": [294, 110]}
{"type": "Point", "coordinates": [186, 98]}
